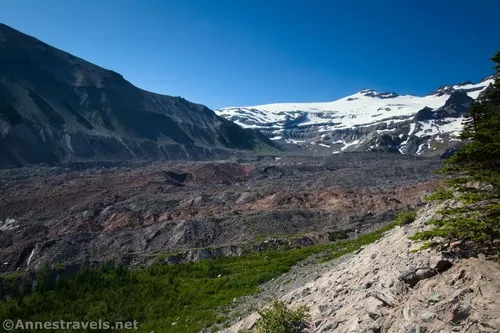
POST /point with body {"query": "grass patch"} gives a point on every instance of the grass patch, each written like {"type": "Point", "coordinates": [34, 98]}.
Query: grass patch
{"type": "Point", "coordinates": [187, 294]}
{"type": "Point", "coordinates": [340, 248]}
{"type": "Point", "coordinates": [405, 217]}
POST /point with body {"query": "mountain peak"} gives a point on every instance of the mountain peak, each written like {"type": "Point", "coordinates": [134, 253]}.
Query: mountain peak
{"type": "Point", "coordinates": [446, 89]}
{"type": "Point", "coordinates": [467, 86]}
{"type": "Point", "coordinates": [374, 93]}
{"type": "Point", "coordinates": [55, 107]}
{"type": "Point", "coordinates": [368, 120]}
{"type": "Point", "coordinates": [364, 91]}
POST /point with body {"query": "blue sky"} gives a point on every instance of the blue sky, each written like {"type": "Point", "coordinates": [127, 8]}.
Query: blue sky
{"type": "Point", "coordinates": [246, 52]}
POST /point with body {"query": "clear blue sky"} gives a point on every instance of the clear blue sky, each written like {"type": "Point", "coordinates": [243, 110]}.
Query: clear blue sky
{"type": "Point", "coordinates": [245, 52]}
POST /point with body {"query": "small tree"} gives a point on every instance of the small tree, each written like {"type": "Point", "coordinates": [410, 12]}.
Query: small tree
{"type": "Point", "coordinates": [280, 319]}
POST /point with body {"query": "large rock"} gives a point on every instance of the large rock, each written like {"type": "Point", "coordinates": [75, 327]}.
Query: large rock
{"type": "Point", "coordinates": [439, 263]}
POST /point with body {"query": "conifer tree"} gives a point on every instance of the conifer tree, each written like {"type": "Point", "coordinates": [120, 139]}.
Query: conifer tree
{"type": "Point", "coordinates": [475, 182]}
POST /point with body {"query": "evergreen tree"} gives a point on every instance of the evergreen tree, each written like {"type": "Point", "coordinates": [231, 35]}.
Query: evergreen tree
{"type": "Point", "coordinates": [476, 178]}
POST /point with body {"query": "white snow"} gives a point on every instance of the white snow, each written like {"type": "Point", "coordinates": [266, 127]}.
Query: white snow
{"type": "Point", "coordinates": [357, 110]}
{"type": "Point", "coordinates": [294, 141]}
{"type": "Point", "coordinates": [420, 148]}
{"type": "Point", "coordinates": [8, 224]}
{"type": "Point", "coordinates": [412, 128]}
{"type": "Point", "coordinates": [347, 145]}
{"type": "Point", "coordinates": [450, 126]}
{"type": "Point", "coordinates": [30, 257]}
{"type": "Point", "coordinates": [351, 111]}
{"type": "Point", "coordinates": [354, 110]}
{"type": "Point", "coordinates": [386, 130]}
{"type": "Point", "coordinates": [476, 89]}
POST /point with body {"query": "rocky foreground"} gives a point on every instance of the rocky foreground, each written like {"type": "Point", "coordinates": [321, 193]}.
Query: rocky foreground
{"type": "Point", "coordinates": [387, 287]}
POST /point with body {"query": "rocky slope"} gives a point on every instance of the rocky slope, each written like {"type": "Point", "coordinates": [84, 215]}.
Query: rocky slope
{"type": "Point", "coordinates": [386, 287]}
{"type": "Point", "coordinates": [199, 209]}
{"type": "Point", "coordinates": [367, 121]}
{"type": "Point", "coordinates": [55, 107]}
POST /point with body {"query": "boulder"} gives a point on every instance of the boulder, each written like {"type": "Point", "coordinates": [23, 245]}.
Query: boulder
{"type": "Point", "coordinates": [439, 263]}
{"type": "Point", "coordinates": [459, 313]}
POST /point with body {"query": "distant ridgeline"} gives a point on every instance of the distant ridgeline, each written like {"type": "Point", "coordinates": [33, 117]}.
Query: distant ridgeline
{"type": "Point", "coordinates": [368, 121]}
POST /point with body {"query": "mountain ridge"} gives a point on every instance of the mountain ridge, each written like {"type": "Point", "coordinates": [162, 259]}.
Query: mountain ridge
{"type": "Point", "coordinates": [367, 120]}
{"type": "Point", "coordinates": [56, 107]}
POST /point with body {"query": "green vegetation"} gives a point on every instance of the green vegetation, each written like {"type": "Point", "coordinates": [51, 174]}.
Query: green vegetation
{"type": "Point", "coordinates": [167, 298]}
{"type": "Point", "coordinates": [337, 235]}
{"type": "Point", "coordinates": [406, 217]}
{"type": "Point", "coordinates": [475, 182]}
{"type": "Point", "coordinates": [280, 319]}
{"type": "Point", "coordinates": [440, 195]}
{"type": "Point", "coordinates": [343, 247]}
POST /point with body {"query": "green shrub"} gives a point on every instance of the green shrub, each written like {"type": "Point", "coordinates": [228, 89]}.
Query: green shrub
{"type": "Point", "coordinates": [337, 235]}
{"type": "Point", "coordinates": [281, 319]}
{"type": "Point", "coordinates": [441, 194]}
{"type": "Point", "coordinates": [405, 217]}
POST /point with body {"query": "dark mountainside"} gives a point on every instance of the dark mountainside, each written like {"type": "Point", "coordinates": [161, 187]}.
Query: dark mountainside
{"type": "Point", "coordinates": [55, 107]}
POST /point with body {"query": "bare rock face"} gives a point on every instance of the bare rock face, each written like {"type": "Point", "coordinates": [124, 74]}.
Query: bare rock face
{"type": "Point", "coordinates": [55, 107]}
{"type": "Point", "coordinates": [388, 288]}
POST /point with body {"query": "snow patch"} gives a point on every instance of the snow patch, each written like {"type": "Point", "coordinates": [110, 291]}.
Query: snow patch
{"type": "Point", "coordinates": [347, 145]}
{"type": "Point", "coordinates": [8, 224]}
{"type": "Point", "coordinates": [294, 141]}
{"type": "Point", "coordinates": [451, 126]}
{"type": "Point", "coordinates": [30, 257]}
{"type": "Point", "coordinates": [420, 149]}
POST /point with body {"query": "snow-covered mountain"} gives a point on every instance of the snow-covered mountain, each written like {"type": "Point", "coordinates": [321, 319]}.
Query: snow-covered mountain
{"type": "Point", "coordinates": [367, 120]}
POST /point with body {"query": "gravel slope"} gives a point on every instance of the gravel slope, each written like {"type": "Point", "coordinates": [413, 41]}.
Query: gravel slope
{"type": "Point", "coordinates": [388, 288]}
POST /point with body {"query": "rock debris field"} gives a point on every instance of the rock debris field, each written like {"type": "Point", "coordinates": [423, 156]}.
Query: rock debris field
{"type": "Point", "coordinates": [87, 214]}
